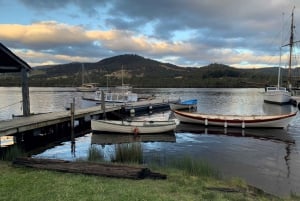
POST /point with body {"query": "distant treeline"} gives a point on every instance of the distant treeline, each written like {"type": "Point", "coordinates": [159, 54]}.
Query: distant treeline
{"type": "Point", "coordinates": [141, 72]}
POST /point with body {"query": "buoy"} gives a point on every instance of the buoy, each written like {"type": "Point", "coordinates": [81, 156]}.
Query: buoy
{"type": "Point", "coordinates": [206, 122]}
{"type": "Point", "coordinates": [135, 131]}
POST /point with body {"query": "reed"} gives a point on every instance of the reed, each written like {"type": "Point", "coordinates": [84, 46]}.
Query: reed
{"type": "Point", "coordinates": [11, 152]}
{"type": "Point", "coordinates": [95, 154]}
{"type": "Point", "coordinates": [128, 153]}
{"type": "Point", "coordinates": [194, 167]}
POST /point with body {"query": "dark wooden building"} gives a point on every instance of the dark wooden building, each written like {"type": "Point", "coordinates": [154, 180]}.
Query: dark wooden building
{"type": "Point", "coordinates": [9, 62]}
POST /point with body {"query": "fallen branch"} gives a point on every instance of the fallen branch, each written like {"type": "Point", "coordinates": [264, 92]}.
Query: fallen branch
{"type": "Point", "coordinates": [90, 168]}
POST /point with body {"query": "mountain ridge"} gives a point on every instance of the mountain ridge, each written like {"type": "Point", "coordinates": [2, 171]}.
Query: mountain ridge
{"type": "Point", "coordinates": [144, 72]}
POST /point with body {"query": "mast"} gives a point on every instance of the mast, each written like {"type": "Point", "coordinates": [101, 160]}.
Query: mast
{"type": "Point", "coordinates": [82, 73]}
{"type": "Point", "coordinates": [280, 51]}
{"type": "Point", "coordinates": [291, 44]}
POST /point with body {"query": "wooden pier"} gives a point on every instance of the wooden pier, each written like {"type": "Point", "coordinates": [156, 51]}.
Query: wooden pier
{"type": "Point", "coordinates": [32, 122]}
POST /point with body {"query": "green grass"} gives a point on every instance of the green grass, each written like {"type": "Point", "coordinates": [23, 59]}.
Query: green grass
{"type": "Point", "coordinates": [31, 184]}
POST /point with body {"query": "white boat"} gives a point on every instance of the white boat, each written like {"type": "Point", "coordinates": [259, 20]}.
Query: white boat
{"type": "Point", "coordinates": [280, 95]}
{"type": "Point", "coordinates": [134, 127]}
{"type": "Point", "coordinates": [119, 94]}
{"type": "Point", "coordinates": [86, 87]}
{"type": "Point", "coordinates": [184, 105]}
{"type": "Point", "coordinates": [277, 95]}
{"type": "Point", "coordinates": [251, 121]}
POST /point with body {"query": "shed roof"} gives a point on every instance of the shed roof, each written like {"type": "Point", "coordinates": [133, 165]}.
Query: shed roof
{"type": "Point", "coordinates": [9, 62]}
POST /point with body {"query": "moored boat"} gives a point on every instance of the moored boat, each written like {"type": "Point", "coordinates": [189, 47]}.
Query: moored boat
{"type": "Point", "coordinates": [277, 95]}
{"type": "Point", "coordinates": [251, 121]}
{"type": "Point", "coordinates": [183, 105]}
{"type": "Point", "coordinates": [135, 127]}
{"type": "Point", "coordinates": [119, 94]}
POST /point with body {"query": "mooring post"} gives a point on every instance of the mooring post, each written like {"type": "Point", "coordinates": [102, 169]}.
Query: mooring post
{"type": "Point", "coordinates": [103, 104]}
{"type": "Point", "coordinates": [25, 92]}
{"type": "Point", "coordinates": [72, 119]}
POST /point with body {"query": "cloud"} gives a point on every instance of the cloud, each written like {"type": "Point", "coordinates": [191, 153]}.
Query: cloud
{"type": "Point", "coordinates": [190, 32]}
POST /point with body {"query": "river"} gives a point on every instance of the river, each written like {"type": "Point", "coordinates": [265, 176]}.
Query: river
{"type": "Point", "coordinates": [269, 163]}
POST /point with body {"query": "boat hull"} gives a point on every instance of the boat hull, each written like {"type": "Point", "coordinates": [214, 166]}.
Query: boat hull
{"type": "Point", "coordinates": [254, 121]}
{"type": "Point", "coordinates": [135, 127]}
{"type": "Point", "coordinates": [178, 106]}
{"type": "Point", "coordinates": [277, 97]}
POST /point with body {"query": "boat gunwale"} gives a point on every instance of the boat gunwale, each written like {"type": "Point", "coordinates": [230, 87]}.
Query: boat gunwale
{"type": "Point", "coordinates": [238, 119]}
{"type": "Point", "coordinates": [142, 123]}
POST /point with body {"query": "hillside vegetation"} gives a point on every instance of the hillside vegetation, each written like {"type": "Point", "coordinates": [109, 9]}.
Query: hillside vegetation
{"type": "Point", "coordinates": [142, 72]}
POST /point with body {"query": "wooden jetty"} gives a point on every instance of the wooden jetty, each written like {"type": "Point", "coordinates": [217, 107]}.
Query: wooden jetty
{"type": "Point", "coordinates": [90, 168]}
{"type": "Point", "coordinates": [32, 122]}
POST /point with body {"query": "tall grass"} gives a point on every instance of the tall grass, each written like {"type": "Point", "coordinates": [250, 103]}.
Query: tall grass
{"type": "Point", "coordinates": [128, 153]}
{"type": "Point", "coordinates": [11, 152]}
{"type": "Point", "coordinates": [194, 167]}
{"type": "Point", "coordinates": [95, 154]}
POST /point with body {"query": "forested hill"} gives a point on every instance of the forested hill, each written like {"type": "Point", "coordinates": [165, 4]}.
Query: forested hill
{"type": "Point", "coordinates": [142, 72]}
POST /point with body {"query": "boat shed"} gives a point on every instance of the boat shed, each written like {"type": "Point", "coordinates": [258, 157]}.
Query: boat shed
{"type": "Point", "coordinates": [9, 62]}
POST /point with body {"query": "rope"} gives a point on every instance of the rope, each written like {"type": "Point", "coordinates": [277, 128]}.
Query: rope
{"type": "Point", "coordinates": [10, 105]}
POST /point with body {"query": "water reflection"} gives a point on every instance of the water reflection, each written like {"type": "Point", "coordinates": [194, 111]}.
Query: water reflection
{"type": "Point", "coordinates": [108, 139]}
{"type": "Point", "coordinates": [277, 109]}
{"type": "Point", "coordinates": [261, 133]}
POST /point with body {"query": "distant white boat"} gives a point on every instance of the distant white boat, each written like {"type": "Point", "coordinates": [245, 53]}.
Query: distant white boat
{"type": "Point", "coordinates": [119, 94]}
{"type": "Point", "coordinates": [134, 127]}
{"type": "Point", "coordinates": [251, 121]}
{"type": "Point", "coordinates": [277, 95]}
{"type": "Point", "coordinates": [86, 87]}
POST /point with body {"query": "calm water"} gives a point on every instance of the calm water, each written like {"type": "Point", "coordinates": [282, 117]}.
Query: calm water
{"type": "Point", "coordinates": [272, 164]}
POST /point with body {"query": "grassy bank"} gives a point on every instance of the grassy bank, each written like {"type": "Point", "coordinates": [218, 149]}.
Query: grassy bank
{"type": "Point", "coordinates": [31, 184]}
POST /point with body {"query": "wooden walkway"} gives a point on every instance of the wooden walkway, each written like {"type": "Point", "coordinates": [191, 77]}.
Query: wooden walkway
{"type": "Point", "coordinates": [23, 124]}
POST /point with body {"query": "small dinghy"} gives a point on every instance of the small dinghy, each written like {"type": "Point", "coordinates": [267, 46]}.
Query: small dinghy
{"type": "Point", "coordinates": [135, 127]}
{"type": "Point", "coordinates": [184, 105]}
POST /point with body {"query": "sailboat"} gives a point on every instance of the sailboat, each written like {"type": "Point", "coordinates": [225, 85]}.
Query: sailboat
{"type": "Point", "coordinates": [278, 94]}
{"type": "Point", "coordinates": [86, 87]}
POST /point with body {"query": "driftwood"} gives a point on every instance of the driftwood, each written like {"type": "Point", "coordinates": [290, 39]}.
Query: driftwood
{"type": "Point", "coordinates": [90, 168]}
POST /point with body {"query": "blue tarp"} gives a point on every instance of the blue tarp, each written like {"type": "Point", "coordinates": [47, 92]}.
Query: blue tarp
{"type": "Point", "coordinates": [189, 102]}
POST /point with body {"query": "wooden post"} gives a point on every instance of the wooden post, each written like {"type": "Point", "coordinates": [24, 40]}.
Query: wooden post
{"type": "Point", "coordinates": [103, 104]}
{"type": "Point", "coordinates": [72, 127]}
{"type": "Point", "coordinates": [72, 119]}
{"type": "Point", "coordinates": [25, 93]}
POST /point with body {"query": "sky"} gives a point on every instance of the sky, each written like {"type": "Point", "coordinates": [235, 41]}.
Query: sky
{"type": "Point", "coordinates": [187, 33]}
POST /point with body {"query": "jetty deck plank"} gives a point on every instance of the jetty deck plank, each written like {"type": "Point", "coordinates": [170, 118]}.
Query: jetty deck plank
{"type": "Point", "coordinates": [41, 120]}
{"type": "Point", "coordinates": [90, 168]}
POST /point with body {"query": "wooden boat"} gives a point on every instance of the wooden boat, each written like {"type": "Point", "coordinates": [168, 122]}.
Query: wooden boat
{"type": "Point", "coordinates": [135, 127]}
{"type": "Point", "coordinates": [252, 121]}
{"type": "Point", "coordinates": [183, 105]}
